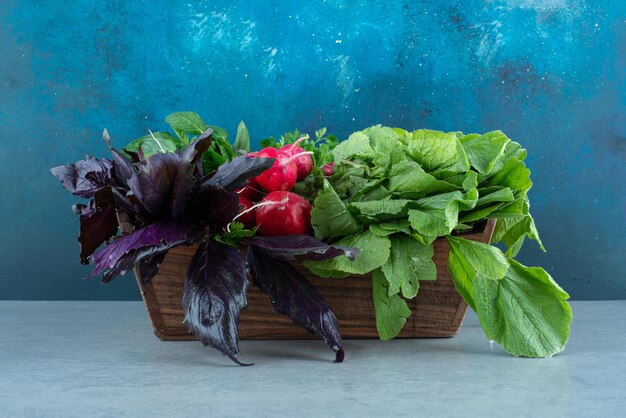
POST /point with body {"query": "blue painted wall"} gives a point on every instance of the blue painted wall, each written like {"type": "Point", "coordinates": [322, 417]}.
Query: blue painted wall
{"type": "Point", "coordinates": [551, 74]}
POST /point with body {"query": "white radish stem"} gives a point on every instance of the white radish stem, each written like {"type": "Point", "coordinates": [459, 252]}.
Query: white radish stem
{"type": "Point", "coordinates": [251, 188]}
{"type": "Point", "coordinates": [295, 156]}
{"type": "Point", "coordinates": [254, 207]}
{"type": "Point", "coordinates": [302, 138]}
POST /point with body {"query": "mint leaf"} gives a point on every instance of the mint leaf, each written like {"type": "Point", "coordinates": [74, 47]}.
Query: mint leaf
{"type": "Point", "coordinates": [242, 140]}
{"type": "Point", "coordinates": [189, 122]}
{"type": "Point", "coordinates": [373, 253]}
{"type": "Point", "coordinates": [391, 311]}
{"type": "Point", "coordinates": [483, 259]}
{"type": "Point", "coordinates": [409, 262]}
{"type": "Point", "coordinates": [330, 217]}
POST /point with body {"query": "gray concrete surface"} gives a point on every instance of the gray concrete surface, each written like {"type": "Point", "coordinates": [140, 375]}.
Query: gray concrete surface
{"type": "Point", "coordinates": [100, 359]}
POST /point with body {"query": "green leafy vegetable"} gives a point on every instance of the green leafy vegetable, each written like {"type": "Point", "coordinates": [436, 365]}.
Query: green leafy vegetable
{"type": "Point", "coordinates": [155, 142]}
{"type": "Point", "coordinates": [483, 150]}
{"type": "Point", "coordinates": [525, 311]}
{"type": "Point", "coordinates": [356, 146]}
{"type": "Point", "coordinates": [409, 262]}
{"type": "Point", "coordinates": [408, 179]}
{"type": "Point", "coordinates": [374, 252]}
{"type": "Point", "coordinates": [438, 152]}
{"type": "Point", "coordinates": [189, 122]}
{"type": "Point", "coordinates": [330, 217]}
{"type": "Point", "coordinates": [513, 230]}
{"type": "Point", "coordinates": [385, 229]}
{"type": "Point", "coordinates": [235, 233]}
{"type": "Point", "coordinates": [379, 210]}
{"type": "Point", "coordinates": [391, 311]}
{"type": "Point", "coordinates": [410, 188]}
{"type": "Point", "coordinates": [242, 140]}
{"type": "Point", "coordinates": [438, 215]}
{"type": "Point", "coordinates": [479, 259]}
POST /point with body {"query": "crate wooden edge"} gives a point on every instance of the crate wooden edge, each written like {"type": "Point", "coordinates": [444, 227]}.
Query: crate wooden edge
{"type": "Point", "coordinates": [165, 333]}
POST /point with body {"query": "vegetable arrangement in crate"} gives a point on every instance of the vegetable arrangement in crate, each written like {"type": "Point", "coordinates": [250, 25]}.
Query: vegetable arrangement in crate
{"type": "Point", "coordinates": [372, 204]}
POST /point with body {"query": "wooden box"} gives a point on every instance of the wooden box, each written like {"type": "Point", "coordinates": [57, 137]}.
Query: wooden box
{"type": "Point", "coordinates": [437, 311]}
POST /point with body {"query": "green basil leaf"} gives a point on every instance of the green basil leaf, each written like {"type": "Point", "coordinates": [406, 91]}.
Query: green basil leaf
{"type": "Point", "coordinates": [153, 143]}
{"type": "Point", "coordinates": [242, 140]}
{"type": "Point", "coordinates": [189, 122]}
{"type": "Point", "coordinates": [219, 133]}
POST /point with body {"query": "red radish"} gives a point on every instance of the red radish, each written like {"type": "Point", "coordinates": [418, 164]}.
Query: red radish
{"type": "Point", "coordinates": [283, 213]}
{"type": "Point", "coordinates": [329, 169]}
{"type": "Point", "coordinates": [304, 161]}
{"type": "Point", "coordinates": [282, 175]}
{"type": "Point", "coordinates": [252, 154]}
{"type": "Point", "coordinates": [250, 191]}
{"type": "Point", "coordinates": [247, 216]}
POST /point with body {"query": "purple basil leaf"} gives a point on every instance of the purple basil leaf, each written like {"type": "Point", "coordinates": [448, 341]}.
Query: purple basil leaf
{"type": "Point", "coordinates": [123, 202]}
{"type": "Point", "coordinates": [103, 197]}
{"type": "Point", "coordinates": [293, 295]}
{"type": "Point", "coordinates": [96, 226]}
{"type": "Point", "coordinates": [214, 295]}
{"type": "Point", "coordinates": [124, 253]}
{"type": "Point", "coordinates": [78, 208]}
{"type": "Point", "coordinates": [163, 184]}
{"type": "Point", "coordinates": [195, 150]}
{"type": "Point", "coordinates": [84, 177]}
{"type": "Point", "coordinates": [122, 168]}
{"type": "Point", "coordinates": [149, 267]}
{"type": "Point", "coordinates": [213, 206]}
{"type": "Point", "coordinates": [135, 157]}
{"type": "Point", "coordinates": [287, 247]}
{"type": "Point", "coordinates": [235, 173]}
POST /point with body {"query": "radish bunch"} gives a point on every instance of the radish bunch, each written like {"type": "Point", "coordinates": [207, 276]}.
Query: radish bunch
{"type": "Point", "coordinates": [267, 201]}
